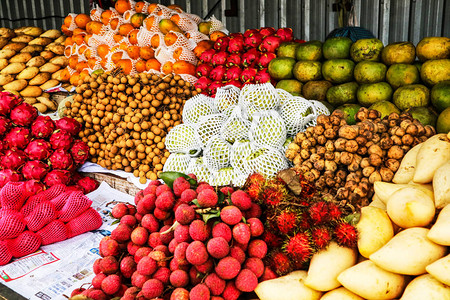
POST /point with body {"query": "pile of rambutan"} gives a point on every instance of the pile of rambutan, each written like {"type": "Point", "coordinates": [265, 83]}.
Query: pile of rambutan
{"type": "Point", "coordinates": [298, 220]}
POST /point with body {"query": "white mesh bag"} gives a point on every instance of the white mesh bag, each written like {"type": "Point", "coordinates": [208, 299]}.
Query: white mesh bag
{"type": "Point", "coordinates": [177, 162]}
{"type": "Point", "coordinates": [266, 161]}
{"type": "Point", "coordinates": [194, 18]}
{"type": "Point", "coordinates": [144, 37]}
{"type": "Point", "coordinates": [216, 25]}
{"type": "Point", "coordinates": [239, 152]}
{"type": "Point", "coordinates": [96, 16]}
{"type": "Point", "coordinates": [185, 23]}
{"type": "Point", "coordinates": [209, 126]}
{"type": "Point", "coordinates": [154, 27]}
{"type": "Point", "coordinates": [226, 96]}
{"type": "Point", "coordinates": [224, 176]}
{"type": "Point", "coordinates": [235, 127]}
{"type": "Point", "coordinates": [72, 25]}
{"type": "Point", "coordinates": [197, 166]}
{"type": "Point", "coordinates": [196, 36]}
{"type": "Point", "coordinates": [296, 113]}
{"type": "Point", "coordinates": [284, 96]}
{"type": "Point", "coordinates": [229, 110]}
{"type": "Point", "coordinates": [217, 153]}
{"type": "Point", "coordinates": [287, 142]}
{"type": "Point", "coordinates": [318, 108]}
{"type": "Point", "coordinates": [165, 12]}
{"type": "Point", "coordinates": [185, 54]}
{"type": "Point", "coordinates": [267, 129]}
{"type": "Point", "coordinates": [182, 41]}
{"type": "Point", "coordinates": [163, 55]}
{"type": "Point", "coordinates": [263, 96]}
{"type": "Point", "coordinates": [183, 139]}
{"type": "Point", "coordinates": [197, 106]}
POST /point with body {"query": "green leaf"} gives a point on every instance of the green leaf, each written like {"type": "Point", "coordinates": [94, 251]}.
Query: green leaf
{"type": "Point", "coordinates": [244, 220]}
{"type": "Point", "coordinates": [170, 176]}
{"type": "Point", "coordinates": [353, 219]}
{"type": "Point", "coordinates": [211, 215]}
{"type": "Point", "coordinates": [115, 222]}
{"type": "Point", "coordinates": [195, 201]}
{"type": "Point", "coordinates": [221, 197]}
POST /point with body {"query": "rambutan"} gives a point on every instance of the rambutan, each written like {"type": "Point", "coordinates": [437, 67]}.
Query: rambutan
{"type": "Point", "coordinates": [254, 185]}
{"type": "Point", "coordinates": [279, 262]}
{"type": "Point", "coordinates": [320, 237]}
{"type": "Point", "coordinates": [345, 234]}
{"type": "Point", "coordinates": [272, 240]}
{"type": "Point", "coordinates": [318, 212]}
{"type": "Point", "coordinates": [299, 247]}
{"type": "Point", "coordinates": [303, 221]}
{"type": "Point", "coordinates": [273, 192]}
{"type": "Point", "coordinates": [334, 211]}
{"type": "Point", "coordinates": [286, 221]}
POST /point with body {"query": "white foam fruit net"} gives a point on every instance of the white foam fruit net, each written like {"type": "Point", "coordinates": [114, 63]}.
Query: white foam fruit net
{"type": "Point", "coordinates": [183, 139]}
{"type": "Point", "coordinates": [216, 25]}
{"type": "Point", "coordinates": [239, 152]}
{"type": "Point", "coordinates": [209, 126]}
{"type": "Point", "coordinates": [226, 96]}
{"type": "Point", "coordinates": [177, 162]}
{"type": "Point", "coordinates": [263, 96]}
{"type": "Point", "coordinates": [266, 161]}
{"type": "Point", "coordinates": [267, 129]}
{"type": "Point", "coordinates": [296, 113]}
{"type": "Point", "coordinates": [198, 106]}
{"type": "Point", "coordinates": [197, 166]}
{"type": "Point", "coordinates": [235, 127]}
{"type": "Point", "coordinates": [318, 108]}
{"type": "Point", "coordinates": [217, 153]}
{"type": "Point", "coordinates": [284, 96]}
{"type": "Point", "coordinates": [224, 176]}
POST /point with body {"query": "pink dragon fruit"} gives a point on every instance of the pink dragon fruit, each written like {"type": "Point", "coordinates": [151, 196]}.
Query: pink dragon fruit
{"type": "Point", "coordinates": [221, 43]}
{"type": "Point", "coordinates": [203, 69]}
{"type": "Point", "coordinates": [236, 34]}
{"type": "Point", "coordinates": [33, 187]}
{"type": "Point", "coordinates": [233, 73]}
{"type": "Point", "coordinates": [250, 57]}
{"type": "Point", "coordinates": [248, 75]}
{"type": "Point", "coordinates": [80, 152]}
{"type": "Point", "coordinates": [23, 114]}
{"type": "Point", "coordinates": [61, 159]}
{"type": "Point", "coordinates": [87, 184]}
{"type": "Point", "coordinates": [217, 73]}
{"type": "Point", "coordinates": [263, 76]}
{"type": "Point", "coordinates": [70, 125]}
{"type": "Point", "coordinates": [236, 83]}
{"type": "Point", "coordinates": [233, 59]}
{"type": "Point", "coordinates": [13, 159]}
{"type": "Point", "coordinates": [253, 40]}
{"type": "Point", "coordinates": [202, 83]}
{"type": "Point", "coordinates": [219, 59]}
{"type": "Point", "coordinates": [3, 147]}
{"type": "Point", "coordinates": [270, 44]}
{"type": "Point", "coordinates": [207, 55]}
{"type": "Point", "coordinates": [286, 34]}
{"type": "Point", "coordinates": [42, 127]}
{"type": "Point", "coordinates": [18, 137]}
{"type": "Point", "coordinates": [9, 175]}
{"type": "Point", "coordinates": [35, 169]}
{"type": "Point", "coordinates": [61, 139]}
{"type": "Point", "coordinates": [212, 88]}
{"type": "Point", "coordinates": [248, 32]}
{"type": "Point", "coordinates": [265, 58]}
{"type": "Point", "coordinates": [300, 41]}
{"type": "Point", "coordinates": [236, 44]}
{"type": "Point", "coordinates": [5, 124]}
{"type": "Point", "coordinates": [57, 177]}
{"type": "Point", "coordinates": [7, 102]}
{"type": "Point", "coordinates": [38, 149]}
{"type": "Point", "coordinates": [267, 31]}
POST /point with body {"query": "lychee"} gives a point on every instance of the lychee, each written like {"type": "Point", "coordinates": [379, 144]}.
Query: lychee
{"type": "Point", "coordinates": [256, 227]}
{"type": "Point", "coordinates": [179, 278]}
{"type": "Point", "coordinates": [119, 210]}
{"type": "Point", "coordinates": [152, 288]}
{"type": "Point", "coordinates": [166, 234]}
{"type": "Point", "coordinates": [139, 236]}
{"type": "Point", "coordinates": [159, 256]}
{"type": "Point", "coordinates": [138, 197]}
{"type": "Point", "coordinates": [215, 284]}
{"type": "Point", "coordinates": [172, 245]}
{"type": "Point", "coordinates": [187, 196]}
{"type": "Point", "coordinates": [162, 274]}
{"type": "Point", "coordinates": [218, 247]}
{"type": "Point", "coordinates": [129, 220]}
{"type": "Point", "coordinates": [150, 223]}
{"type": "Point", "coordinates": [227, 190]}
{"type": "Point", "coordinates": [231, 215]}
{"type": "Point", "coordinates": [109, 265]}
{"type": "Point", "coordinates": [246, 281]}
{"type": "Point", "coordinates": [121, 233]}
{"type": "Point", "coordinates": [138, 279]}
{"type": "Point", "coordinates": [257, 248]}
{"type": "Point", "coordinates": [268, 274]}
{"type": "Point", "coordinates": [255, 211]}
{"type": "Point", "coordinates": [147, 266]}
{"type": "Point", "coordinates": [207, 198]}
{"type": "Point", "coordinates": [238, 254]}
{"type": "Point", "coordinates": [165, 201]}
{"type": "Point", "coordinates": [147, 204]}
{"type": "Point", "coordinates": [127, 266]}
{"type": "Point", "coordinates": [241, 233]}
{"type": "Point", "coordinates": [200, 292]}
{"type": "Point", "coordinates": [150, 189]}
{"type": "Point", "coordinates": [154, 239]}
{"type": "Point", "coordinates": [181, 233]}
{"type": "Point", "coordinates": [206, 267]}
{"type": "Point", "coordinates": [241, 199]}
{"type": "Point", "coordinates": [179, 294]}
{"type": "Point", "coordinates": [184, 214]}
{"type": "Point", "coordinates": [231, 292]}
{"type": "Point", "coordinates": [222, 230]}
{"type": "Point", "coordinates": [228, 268]}
{"type": "Point", "coordinates": [203, 186]}
{"type": "Point", "coordinates": [180, 185]}
{"type": "Point", "coordinates": [97, 294]}
{"type": "Point", "coordinates": [163, 248]}
{"type": "Point", "coordinates": [256, 265]}
{"type": "Point", "coordinates": [199, 230]}
{"type": "Point", "coordinates": [108, 247]}
{"type": "Point", "coordinates": [111, 284]}
{"type": "Point", "coordinates": [180, 253]}
{"type": "Point", "coordinates": [195, 276]}
{"type": "Point", "coordinates": [196, 253]}
{"type": "Point", "coordinates": [141, 252]}
{"type": "Point", "coordinates": [97, 280]}
{"type": "Point", "coordinates": [96, 266]}
{"type": "Point", "coordinates": [161, 214]}
{"type": "Point", "coordinates": [132, 248]}
{"type": "Point", "coordinates": [161, 189]}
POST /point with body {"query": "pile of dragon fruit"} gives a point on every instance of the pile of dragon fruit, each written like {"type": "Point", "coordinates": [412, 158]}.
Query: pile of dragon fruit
{"type": "Point", "coordinates": [31, 217]}
{"type": "Point", "coordinates": [37, 148]}
{"type": "Point", "coordinates": [240, 59]}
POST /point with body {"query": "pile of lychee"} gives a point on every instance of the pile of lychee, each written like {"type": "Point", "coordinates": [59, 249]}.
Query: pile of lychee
{"type": "Point", "coordinates": [192, 241]}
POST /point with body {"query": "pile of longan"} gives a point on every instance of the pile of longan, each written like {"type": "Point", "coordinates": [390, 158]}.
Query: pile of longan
{"type": "Point", "coordinates": [127, 117]}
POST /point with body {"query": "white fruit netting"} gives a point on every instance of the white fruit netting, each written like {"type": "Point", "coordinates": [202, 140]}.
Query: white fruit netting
{"type": "Point", "coordinates": [183, 139]}
{"type": "Point", "coordinates": [177, 162]}
{"type": "Point", "coordinates": [241, 132]}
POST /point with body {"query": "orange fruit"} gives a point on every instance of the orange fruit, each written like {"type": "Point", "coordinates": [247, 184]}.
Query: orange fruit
{"type": "Point", "coordinates": [149, 21]}
{"type": "Point", "coordinates": [74, 78]}
{"type": "Point", "coordinates": [154, 41]}
{"type": "Point", "coordinates": [167, 67]}
{"type": "Point", "coordinates": [65, 75]}
{"type": "Point", "coordinates": [215, 35]}
{"type": "Point", "coordinates": [68, 41]}
{"type": "Point", "coordinates": [84, 74]}
{"type": "Point", "coordinates": [133, 52]}
{"type": "Point", "coordinates": [102, 50]}
{"type": "Point", "coordinates": [93, 12]}
{"type": "Point", "coordinates": [153, 64]}
{"type": "Point", "coordinates": [202, 46]}
{"type": "Point", "coordinates": [78, 39]}
{"type": "Point", "coordinates": [122, 6]}
{"type": "Point", "coordinates": [68, 20]}
{"type": "Point", "coordinates": [183, 67]}
{"type": "Point", "coordinates": [132, 36]}
{"type": "Point", "coordinates": [139, 6]}
{"type": "Point", "coordinates": [117, 38]}
{"type": "Point", "coordinates": [82, 49]}
{"type": "Point", "coordinates": [68, 50]}
{"type": "Point", "coordinates": [170, 38]}
{"type": "Point", "coordinates": [175, 18]}
{"type": "Point", "coordinates": [88, 53]}
{"type": "Point", "coordinates": [105, 17]}
{"type": "Point", "coordinates": [151, 7]}
{"type": "Point", "coordinates": [124, 29]}
{"type": "Point", "coordinates": [115, 57]}
{"type": "Point", "coordinates": [73, 61]}
{"type": "Point", "coordinates": [125, 64]}
{"type": "Point", "coordinates": [175, 8]}
{"type": "Point", "coordinates": [114, 23]}
{"type": "Point", "coordinates": [140, 66]}
{"type": "Point", "coordinates": [103, 63]}
{"type": "Point", "coordinates": [79, 31]}
{"type": "Point", "coordinates": [94, 27]}
{"type": "Point", "coordinates": [86, 38]}
{"type": "Point", "coordinates": [65, 30]}
{"type": "Point", "coordinates": [81, 66]}
{"type": "Point", "coordinates": [137, 20]}
{"type": "Point", "coordinates": [177, 52]}
{"type": "Point", "coordinates": [146, 53]}
{"type": "Point", "coordinates": [91, 62]}
{"type": "Point", "coordinates": [123, 46]}
{"type": "Point", "coordinates": [81, 20]}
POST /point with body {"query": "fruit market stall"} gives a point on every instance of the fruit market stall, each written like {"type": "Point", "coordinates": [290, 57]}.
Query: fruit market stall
{"type": "Point", "coordinates": [180, 160]}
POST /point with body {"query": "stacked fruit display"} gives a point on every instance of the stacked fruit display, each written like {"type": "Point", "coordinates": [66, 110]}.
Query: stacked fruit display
{"type": "Point", "coordinates": [240, 59]}
{"type": "Point", "coordinates": [126, 119]}
{"type": "Point", "coordinates": [237, 133]}
{"type": "Point", "coordinates": [137, 37]}
{"type": "Point", "coordinates": [31, 217]}
{"type": "Point", "coordinates": [36, 147]}
{"type": "Point", "coordinates": [383, 78]}
{"type": "Point", "coordinates": [32, 61]}
{"type": "Point", "coordinates": [185, 242]}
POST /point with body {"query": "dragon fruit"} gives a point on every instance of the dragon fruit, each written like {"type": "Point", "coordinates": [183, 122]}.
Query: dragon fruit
{"type": "Point", "coordinates": [248, 32]}
{"type": "Point", "coordinates": [13, 159]}
{"type": "Point", "coordinates": [233, 59]}
{"type": "Point", "coordinates": [33, 187]}
{"type": "Point", "coordinates": [217, 73]}
{"type": "Point", "coordinates": [286, 34]}
{"type": "Point", "coordinates": [7, 102]}
{"type": "Point", "coordinates": [203, 69]}
{"type": "Point", "coordinates": [61, 159]}
{"type": "Point", "coordinates": [42, 127]}
{"type": "Point", "coordinates": [263, 76]}
{"type": "Point", "coordinates": [236, 44]}
{"type": "Point", "coordinates": [219, 59]}
{"type": "Point", "coordinates": [253, 40]}
{"type": "Point", "coordinates": [221, 43]}
{"type": "Point", "coordinates": [35, 169]}
{"type": "Point", "coordinates": [61, 139]}
{"type": "Point", "coordinates": [270, 44]}
{"type": "Point", "coordinates": [18, 137]}
{"type": "Point", "coordinates": [23, 114]}
{"type": "Point", "coordinates": [212, 88]}
{"type": "Point", "coordinates": [57, 177]}
{"type": "Point", "coordinates": [3, 147]}
{"type": "Point", "coordinates": [207, 55]}
{"type": "Point", "coordinates": [87, 184]}
{"type": "Point", "coordinates": [233, 73]}
{"type": "Point", "coordinates": [5, 124]}
{"type": "Point", "coordinates": [80, 152]}
{"type": "Point", "coordinates": [250, 56]}
{"type": "Point", "coordinates": [236, 83]}
{"type": "Point", "coordinates": [9, 175]}
{"type": "Point", "coordinates": [265, 58]}
{"type": "Point", "coordinates": [68, 124]}
{"type": "Point", "coordinates": [267, 31]}
{"type": "Point", "coordinates": [248, 75]}
{"type": "Point", "coordinates": [38, 149]}
{"type": "Point", "coordinates": [202, 83]}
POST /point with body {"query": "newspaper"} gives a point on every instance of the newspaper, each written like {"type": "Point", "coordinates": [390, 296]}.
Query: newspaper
{"type": "Point", "coordinates": [55, 270]}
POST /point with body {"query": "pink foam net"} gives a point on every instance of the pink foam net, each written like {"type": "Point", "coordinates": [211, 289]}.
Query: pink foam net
{"type": "Point", "coordinates": [5, 255]}
{"type": "Point", "coordinates": [11, 225]}
{"type": "Point", "coordinates": [75, 205]}
{"type": "Point", "coordinates": [55, 231]}
{"type": "Point", "coordinates": [41, 215]}
{"type": "Point", "coordinates": [87, 221]}
{"type": "Point", "coordinates": [47, 195]}
{"type": "Point", "coordinates": [61, 200]}
{"type": "Point", "coordinates": [26, 243]}
{"type": "Point", "coordinates": [13, 195]}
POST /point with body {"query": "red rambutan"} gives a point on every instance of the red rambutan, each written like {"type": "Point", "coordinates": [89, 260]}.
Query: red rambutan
{"type": "Point", "coordinates": [279, 262]}
{"type": "Point", "coordinates": [320, 237]}
{"type": "Point", "coordinates": [286, 221]}
{"type": "Point", "coordinates": [299, 247]}
{"type": "Point", "coordinates": [272, 240]}
{"type": "Point", "coordinates": [318, 212]}
{"type": "Point", "coordinates": [254, 185]}
{"type": "Point", "coordinates": [303, 221]}
{"type": "Point", "coordinates": [273, 192]}
{"type": "Point", "coordinates": [334, 211]}
{"type": "Point", "coordinates": [345, 234]}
